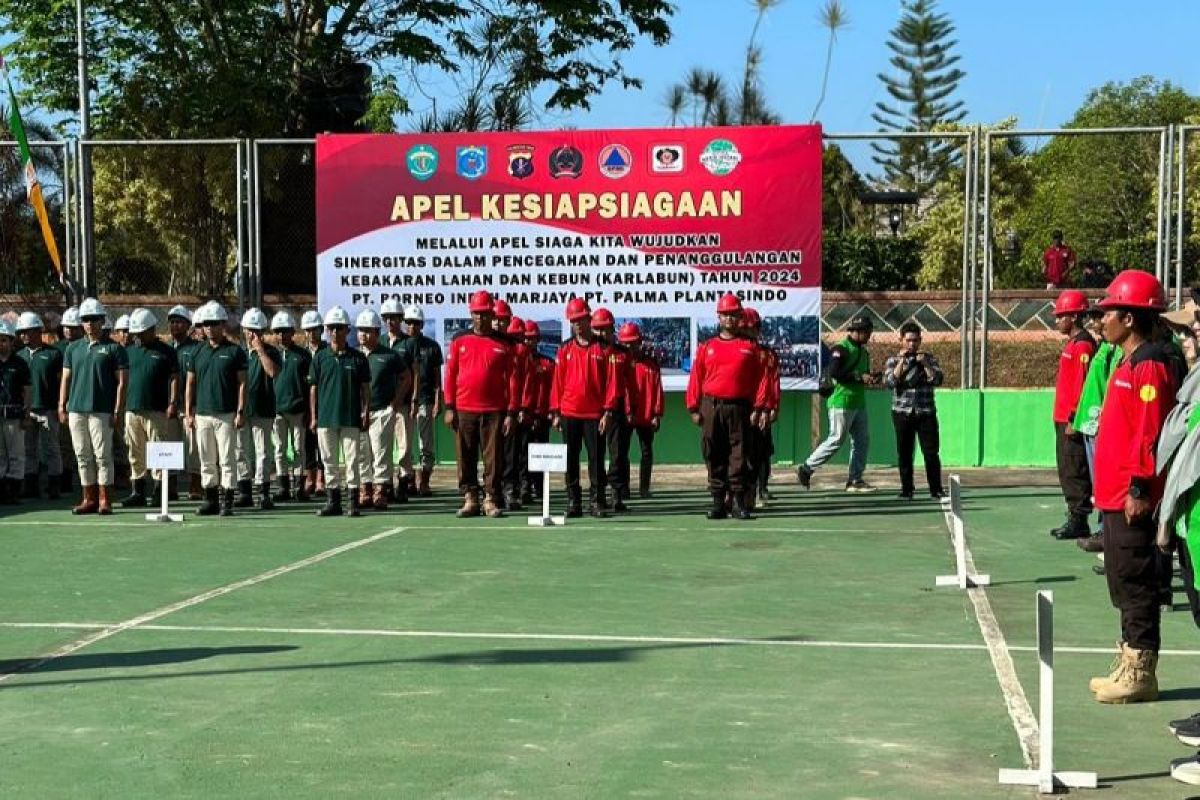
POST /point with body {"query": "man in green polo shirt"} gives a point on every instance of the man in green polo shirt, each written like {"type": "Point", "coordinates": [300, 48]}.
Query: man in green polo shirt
{"type": "Point", "coordinates": [339, 397]}
{"type": "Point", "coordinates": [15, 397]}
{"type": "Point", "coordinates": [390, 371]}
{"type": "Point", "coordinates": [71, 330]}
{"type": "Point", "coordinates": [216, 408]}
{"type": "Point", "coordinates": [43, 435]}
{"type": "Point", "coordinates": [291, 404]}
{"type": "Point", "coordinates": [153, 399]}
{"type": "Point", "coordinates": [850, 369]}
{"type": "Point", "coordinates": [427, 360]}
{"type": "Point", "coordinates": [91, 401]}
{"type": "Point", "coordinates": [314, 471]}
{"type": "Point", "coordinates": [179, 325]}
{"type": "Point", "coordinates": [256, 451]}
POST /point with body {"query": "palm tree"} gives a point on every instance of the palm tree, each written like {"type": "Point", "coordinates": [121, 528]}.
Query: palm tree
{"type": "Point", "coordinates": [711, 92]}
{"type": "Point", "coordinates": [694, 82]}
{"type": "Point", "coordinates": [675, 100]}
{"type": "Point", "coordinates": [753, 54]}
{"type": "Point", "coordinates": [833, 17]}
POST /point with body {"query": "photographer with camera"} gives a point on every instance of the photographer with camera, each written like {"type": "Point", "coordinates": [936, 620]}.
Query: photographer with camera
{"type": "Point", "coordinates": [912, 375]}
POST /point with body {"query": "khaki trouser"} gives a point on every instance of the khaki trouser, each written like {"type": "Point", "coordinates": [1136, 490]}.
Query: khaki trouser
{"type": "Point", "coordinates": [424, 424]}
{"type": "Point", "coordinates": [216, 441]}
{"type": "Point", "coordinates": [289, 428]}
{"type": "Point", "coordinates": [339, 453]}
{"type": "Point", "coordinates": [375, 447]}
{"type": "Point", "coordinates": [256, 451]}
{"type": "Point", "coordinates": [92, 437]}
{"type": "Point", "coordinates": [42, 444]}
{"type": "Point", "coordinates": [141, 428]}
{"type": "Point", "coordinates": [12, 449]}
{"type": "Point", "coordinates": [404, 424]}
{"type": "Point", "coordinates": [177, 432]}
{"type": "Point", "coordinates": [66, 448]}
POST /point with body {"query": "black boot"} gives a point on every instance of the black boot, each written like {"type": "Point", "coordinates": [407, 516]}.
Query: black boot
{"type": "Point", "coordinates": [285, 489]}
{"type": "Point", "coordinates": [264, 498]}
{"type": "Point", "coordinates": [354, 512]}
{"type": "Point", "coordinates": [300, 495]}
{"type": "Point", "coordinates": [245, 494]}
{"type": "Point", "coordinates": [137, 497]}
{"type": "Point", "coordinates": [574, 502]}
{"type": "Point", "coordinates": [512, 499]}
{"type": "Point", "coordinates": [401, 492]}
{"type": "Point", "coordinates": [172, 488]}
{"type": "Point", "coordinates": [619, 498]}
{"type": "Point", "coordinates": [227, 502]}
{"type": "Point", "coordinates": [54, 486]}
{"type": "Point", "coordinates": [14, 491]}
{"type": "Point", "coordinates": [739, 506]}
{"type": "Point", "coordinates": [718, 506]}
{"type": "Point", "coordinates": [4, 498]}
{"type": "Point", "coordinates": [644, 483]}
{"type": "Point", "coordinates": [210, 505]}
{"type": "Point", "coordinates": [1074, 528]}
{"type": "Point", "coordinates": [333, 504]}
{"type": "Point", "coordinates": [65, 483]}
{"type": "Point", "coordinates": [32, 492]}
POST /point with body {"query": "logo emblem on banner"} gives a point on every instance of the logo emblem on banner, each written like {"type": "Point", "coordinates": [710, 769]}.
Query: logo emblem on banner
{"type": "Point", "coordinates": [721, 157]}
{"type": "Point", "coordinates": [566, 162]}
{"type": "Point", "coordinates": [422, 161]}
{"type": "Point", "coordinates": [471, 161]}
{"type": "Point", "coordinates": [615, 161]}
{"type": "Point", "coordinates": [666, 158]}
{"type": "Point", "coordinates": [520, 160]}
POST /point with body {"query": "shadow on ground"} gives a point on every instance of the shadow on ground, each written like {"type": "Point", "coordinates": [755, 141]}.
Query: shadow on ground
{"type": "Point", "coordinates": [134, 658]}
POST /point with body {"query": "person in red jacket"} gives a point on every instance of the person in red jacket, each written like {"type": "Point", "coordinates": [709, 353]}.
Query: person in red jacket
{"type": "Point", "coordinates": [516, 446]}
{"type": "Point", "coordinates": [726, 391]}
{"type": "Point", "coordinates": [619, 433]}
{"type": "Point", "coordinates": [508, 445]}
{"type": "Point", "coordinates": [538, 384]}
{"type": "Point", "coordinates": [1140, 394]}
{"type": "Point", "coordinates": [482, 395]}
{"type": "Point", "coordinates": [763, 445]}
{"type": "Point", "coordinates": [582, 401]}
{"type": "Point", "coordinates": [1070, 312]}
{"type": "Point", "coordinates": [1057, 262]}
{"type": "Point", "coordinates": [645, 401]}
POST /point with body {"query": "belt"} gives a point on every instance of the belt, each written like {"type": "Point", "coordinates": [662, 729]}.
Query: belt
{"type": "Point", "coordinates": [716, 401]}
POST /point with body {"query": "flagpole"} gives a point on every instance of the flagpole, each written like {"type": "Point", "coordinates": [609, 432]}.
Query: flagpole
{"type": "Point", "coordinates": [86, 267]}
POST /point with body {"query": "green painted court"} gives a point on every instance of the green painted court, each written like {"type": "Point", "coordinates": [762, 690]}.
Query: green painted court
{"type": "Point", "coordinates": [410, 654]}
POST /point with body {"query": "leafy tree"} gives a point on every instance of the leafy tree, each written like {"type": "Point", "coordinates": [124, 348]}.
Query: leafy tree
{"type": "Point", "coordinates": [841, 208]}
{"type": "Point", "coordinates": [921, 97]}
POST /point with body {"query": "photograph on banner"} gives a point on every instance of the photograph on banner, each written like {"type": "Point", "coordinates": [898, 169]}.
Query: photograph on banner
{"type": "Point", "coordinates": [654, 225]}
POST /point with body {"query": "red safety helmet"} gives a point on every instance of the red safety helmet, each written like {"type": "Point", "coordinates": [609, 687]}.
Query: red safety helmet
{"type": "Point", "coordinates": [481, 302]}
{"type": "Point", "coordinates": [502, 310]}
{"type": "Point", "coordinates": [630, 332]}
{"type": "Point", "coordinates": [729, 304]}
{"type": "Point", "coordinates": [750, 318]}
{"type": "Point", "coordinates": [602, 318]}
{"type": "Point", "coordinates": [1134, 288]}
{"type": "Point", "coordinates": [1072, 301]}
{"type": "Point", "coordinates": [577, 309]}
{"type": "Point", "coordinates": [515, 327]}
{"type": "Point", "coordinates": [532, 331]}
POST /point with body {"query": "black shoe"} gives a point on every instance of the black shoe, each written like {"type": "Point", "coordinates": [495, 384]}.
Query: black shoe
{"type": "Point", "coordinates": [526, 498]}
{"type": "Point", "coordinates": [264, 499]}
{"type": "Point", "coordinates": [574, 512]}
{"type": "Point", "coordinates": [718, 510]}
{"type": "Point", "coordinates": [938, 494]}
{"type": "Point", "coordinates": [354, 512]}
{"type": "Point", "coordinates": [1191, 722]}
{"type": "Point", "coordinates": [1091, 544]}
{"type": "Point", "coordinates": [227, 503]}
{"type": "Point", "coordinates": [284, 494]}
{"type": "Point", "coordinates": [136, 498]}
{"type": "Point", "coordinates": [620, 507]}
{"type": "Point", "coordinates": [513, 501]}
{"type": "Point", "coordinates": [1073, 528]}
{"type": "Point", "coordinates": [401, 492]}
{"type": "Point", "coordinates": [1187, 731]}
{"type": "Point", "coordinates": [804, 475]}
{"type": "Point", "coordinates": [739, 509]}
{"type": "Point", "coordinates": [31, 490]}
{"type": "Point", "coordinates": [245, 494]}
{"type": "Point", "coordinates": [211, 504]}
{"type": "Point", "coordinates": [333, 504]}
{"type": "Point", "coordinates": [904, 496]}
{"type": "Point", "coordinates": [598, 511]}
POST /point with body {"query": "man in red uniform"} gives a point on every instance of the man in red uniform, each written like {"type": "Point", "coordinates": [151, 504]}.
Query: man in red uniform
{"type": "Point", "coordinates": [763, 446]}
{"type": "Point", "coordinates": [1140, 394]}
{"type": "Point", "coordinates": [726, 390]}
{"type": "Point", "coordinates": [516, 446]}
{"type": "Point", "coordinates": [645, 401]}
{"type": "Point", "coordinates": [1070, 311]}
{"type": "Point", "coordinates": [1057, 263]}
{"type": "Point", "coordinates": [481, 396]}
{"type": "Point", "coordinates": [618, 433]}
{"type": "Point", "coordinates": [582, 401]}
{"type": "Point", "coordinates": [539, 381]}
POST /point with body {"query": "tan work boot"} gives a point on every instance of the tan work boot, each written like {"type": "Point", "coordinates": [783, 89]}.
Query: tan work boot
{"type": "Point", "coordinates": [1137, 683]}
{"type": "Point", "coordinates": [491, 508]}
{"type": "Point", "coordinates": [90, 502]}
{"type": "Point", "coordinates": [1114, 671]}
{"type": "Point", "coordinates": [104, 508]}
{"type": "Point", "coordinates": [470, 506]}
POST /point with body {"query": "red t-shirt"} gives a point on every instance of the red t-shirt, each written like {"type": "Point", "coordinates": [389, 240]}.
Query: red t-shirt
{"type": "Point", "coordinates": [1072, 370]}
{"type": "Point", "coordinates": [728, 369]}
{"type": "Point", "coordinates": [1057, 262]}
{"type": "Point", "coordinates": [585, 383]}
{"type": "Point", "coordinates": [646, 400]}
{"type": "Point", "coordinates": [481, 377]}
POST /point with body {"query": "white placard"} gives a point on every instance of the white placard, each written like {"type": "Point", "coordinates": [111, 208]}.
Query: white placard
{"type": "Point", "coordinates": [164, 455]}
{"type": "Point", "coordinates": [547, 457]}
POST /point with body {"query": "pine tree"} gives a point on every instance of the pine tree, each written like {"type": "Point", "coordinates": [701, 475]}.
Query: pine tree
{"type": "Point", "coordinates": [921, 97]}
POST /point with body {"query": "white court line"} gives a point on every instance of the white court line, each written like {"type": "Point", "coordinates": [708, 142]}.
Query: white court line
{"type": "Point", "coordinates": [159, 613]}
{"type": "Point", "coordinates": [571, 637]}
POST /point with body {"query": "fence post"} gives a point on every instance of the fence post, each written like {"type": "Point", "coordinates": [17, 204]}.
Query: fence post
{"type": "Point", "coordinates": [986, 289]}
{"type": "Point", "coordinates": [1181, 183]}
{"type": "Point", "coordinates": [965, 320]}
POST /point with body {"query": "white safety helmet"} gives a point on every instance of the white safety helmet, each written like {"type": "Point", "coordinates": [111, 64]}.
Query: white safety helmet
{"type": "Point", "coordinates": [91, 308]}
{"type": "Point", "coordinates": [390, 306]}
{"type": "Point", "coordinates": [122, 323]}
{"type": "Point", "coordinates": [179, 312]}
{"type": "Point", "coordinates": [310, 320]}
{"type": "Point", "coordinates": [29, 321]}
{"type": "Point", "coordinates": [254, 320]}
{"type": "Point", "coordinates": [142, 320]}
{"type": "Point", "coordinates": [216, 312]}
{"type": "Point", "coordinates": [367, 318]}
{"type": "Point", "coordinates": [6, 329]}
{"type": "Point", "coordinates": [282, 321]}
{"type": "Point", "coordinates": [70, 318]}
{"type": "Point", "coordinates": [413, 314]}
{"type": "Point", "coordinates": [337, 316]}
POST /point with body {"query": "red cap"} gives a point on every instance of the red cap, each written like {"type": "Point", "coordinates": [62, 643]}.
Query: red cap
{"type": "Point", "coordinates": [630, 332]}
{"type": "Point", "coordinates": [577, 309]}
{"type": "Point", "coordinates": [1072, 301]}
{"type": "Point", "coordinates": [1135, 289]}
{"type": "Point", "coordinates": [532, 331]}
{"type": "Point", "coordinates": [750, 318]}
{"type": "Point", "coordinates": [602, 318]}
{"type": "Point", "coordinates": [729, 304]}
{"type": "Point", "coordinates": [502, 310]}
{"type": "Point", "coordinates": [515, 327]}
{"type": "Point", "coordinates": [481, 301]}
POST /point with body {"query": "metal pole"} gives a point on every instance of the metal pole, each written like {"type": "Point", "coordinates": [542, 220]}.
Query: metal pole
{"type": "Point", "coordinates": [1158, 238]}
{"type": "Point", "coordinates": [964, 317]}
{"type": "Point", "coordinates": [1181, 183]}
{"type": "Point", "coordinates": [1168, 194]}
{"type": "Point", "coordinates": [241, 262]}
{"type": "Point", "coordinates": [987, 255]}
{"type": "Point", "coordinates": [255, 210]}
{"type": "Point", "coordinates": [86, 244]}
{"type": "Point", "coordinates": [68, 249]}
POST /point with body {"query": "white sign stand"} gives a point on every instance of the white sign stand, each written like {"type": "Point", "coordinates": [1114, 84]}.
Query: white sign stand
{"type": "Point", "coordinates": [164, 456]}
{"type": "Point", "coordinates": [547, 459]}
{"type": "Point", "coordinates": [1044, 777]}
{"type": "Point", "coordinates": [959, 538]}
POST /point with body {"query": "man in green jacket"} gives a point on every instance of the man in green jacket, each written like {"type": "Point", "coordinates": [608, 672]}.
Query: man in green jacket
{"type": "Point", "coordinates": [216, 408]}
{"type": "Point", "coordinates": [291, 404]}
{"type": "Point", "coordinates": [43, 435]}
{"type": "Point", "coordinates": [153, 399]}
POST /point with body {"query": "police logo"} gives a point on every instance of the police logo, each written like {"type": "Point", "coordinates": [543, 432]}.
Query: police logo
{"type": "Point", "coordinates": [720, 157]}
{"type": "Point", "coordinates": [566, 162]}
{"type": "Point", "coordinates": [471, 161]}
{"type": "Point", "coordinates": [422, 161]}
{"type": "Point", "coordinates": [615, 161]}
{"type": "Point", "coordinates": [520, 160]}
{"type": "Point", "coordinates": [666, 159]}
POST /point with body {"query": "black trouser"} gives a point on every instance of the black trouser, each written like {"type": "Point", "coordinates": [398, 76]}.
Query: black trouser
{"type": "Point", "coordinates": [922, 428]}
{"type": "Point", "coordinates": [312, 452]}
{"type": "Point", "coordinates": [516, 458]}
{"type": "Point", "coordinates": [763, 472]}
{"type": "Point", "coordinates": [1073, 475]}
{"type": "Point", "coordinates": [479, 434]}
{"type": "Point", "coordinates": [645, 436]}
{"type": "Point", "coordinates": [1188, 573]}
{"type": "Point", "coordinates": [580, 433]}
{"type": "Point", "coordinates": [1133, 568]}
{"type": "Point", "coordinates": [755, 450]}
{"type": "Point", "coordinates": [617, 435]}
{"type": "Point", "coordinates": [537, 433]}
{"type": "Point", "coordinates": [723, 425]}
